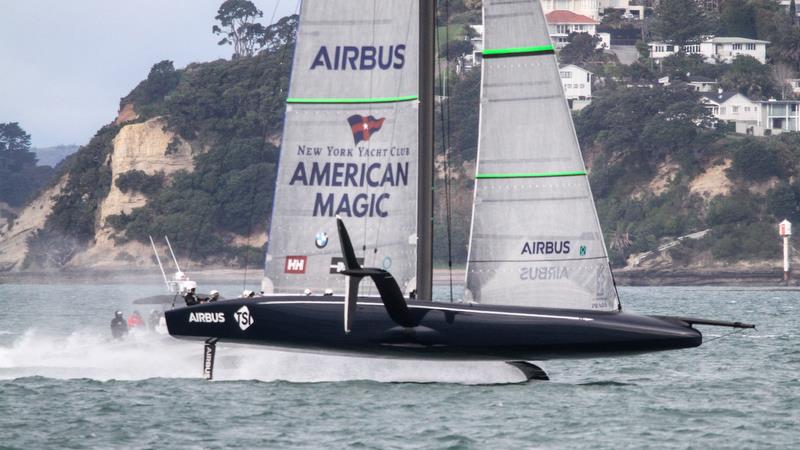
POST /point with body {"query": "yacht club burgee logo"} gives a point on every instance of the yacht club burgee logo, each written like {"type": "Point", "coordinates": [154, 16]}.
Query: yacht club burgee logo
{"type": "Point", "coordinates": [364, 127]}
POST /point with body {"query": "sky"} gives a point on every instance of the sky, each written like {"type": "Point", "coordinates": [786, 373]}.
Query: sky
{"type": "Point", "coordinates": [64, 65]}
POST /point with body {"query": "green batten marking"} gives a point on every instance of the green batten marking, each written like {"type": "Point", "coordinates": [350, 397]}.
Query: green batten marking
{"type": "Point", "coordinates": [519, 50]}
{"type": "Point", "coordinates": [353, 100]}
{"type": "Point", "coordinates": [530, 175]}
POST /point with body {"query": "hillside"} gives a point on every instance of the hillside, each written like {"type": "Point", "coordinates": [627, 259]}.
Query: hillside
{"type": "Point", "coordinates": [51, 156]}
{"type": "Point", "coordinates": [193, 153]}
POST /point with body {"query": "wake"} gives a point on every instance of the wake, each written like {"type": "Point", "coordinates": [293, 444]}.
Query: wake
{"type": "Point", "coordinates": [144, 355]}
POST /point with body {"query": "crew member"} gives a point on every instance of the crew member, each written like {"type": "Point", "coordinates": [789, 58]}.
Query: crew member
{"type": "Point", "coordinates": [191, 298]}
{"type": "Point", "coordinates": [213, 296]}
{"type": "Point", "coordinates": [152, 321]}
{"type": "Point", "coordinates": [135, 320]}
{"type": "Point", "coordinates": [119, 328]}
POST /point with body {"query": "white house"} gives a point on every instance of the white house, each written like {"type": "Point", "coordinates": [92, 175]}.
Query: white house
{"type": "Point", "coordinates": [726, 49]}
{"type": "Point", "coordinates": [785, 4]}
{"type": "Point", "coordinates": [561, 23]}
{"type": "Point", "coordinates": [775, 117]}
{"type": "Point", "coordinates": [577, 84]}
{"type": "Point", "coordinates": [476, 57]}
{"type": "Point", "coordinates": [700, 83]}
{"type": "Point", "coordinates": [714, 50]}
{"type": "Point", "coordinates": [589, 8]}
{"type": "Point", "coordinates": [731, 106]}
{"type": "Point", "coordinates": [795, 85]}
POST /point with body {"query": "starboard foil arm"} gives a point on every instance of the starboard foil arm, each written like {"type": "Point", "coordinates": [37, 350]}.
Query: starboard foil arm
{"type": "Point", "coordinates": [390, 292]}
{"type": "Point", "coordinates": [716, 323]}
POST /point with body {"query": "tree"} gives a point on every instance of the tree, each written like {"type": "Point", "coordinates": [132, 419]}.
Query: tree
{"type": "Point", "coordinates": [19, 175]}
{"type": "Point", "coordinates": [738, 18]}
{"type": "Point", "coordinates": [780, 73]}
{"type": "Point", "coordinates": [281, 35]}
{"type": "Point", "coordinates": [680, 21]}
{"type": "Point", "coordinates": [237, 20]}
{"type": "Point", "coordinates": [161, 80]}
{"type": "Point", "coordinates": [748, 76]}
{"type": "Point", "coordinates": [582, 47]}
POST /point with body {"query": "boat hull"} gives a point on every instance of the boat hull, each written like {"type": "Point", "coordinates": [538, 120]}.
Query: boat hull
{"type": "Point", "coordinates": [445, 331]}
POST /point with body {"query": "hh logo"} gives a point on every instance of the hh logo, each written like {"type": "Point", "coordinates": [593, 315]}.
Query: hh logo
{"type": "Point", "coordinates": [364, 127]}
{"type": "Point", "coordinates": [243, 318]}
{"type": "Point", "coordinates": [295, 264]}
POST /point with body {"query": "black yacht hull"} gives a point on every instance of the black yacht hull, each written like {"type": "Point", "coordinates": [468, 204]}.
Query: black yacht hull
{"type": "Point", "coordinates": [445, 331]}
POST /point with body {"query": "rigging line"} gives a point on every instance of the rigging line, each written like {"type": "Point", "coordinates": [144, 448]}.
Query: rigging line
{"type": "Point", "coordinates": [255, 191]}
{"type": "Point", "coordinates": [448, 180]}
{"type": "Point", "coordinates": [444, 114]}
{"type": "Point", "coordinates": [724, 335]}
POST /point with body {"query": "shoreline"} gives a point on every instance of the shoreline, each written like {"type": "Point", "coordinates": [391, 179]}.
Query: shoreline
{"type": "Point", "coordinates": [760, 277]}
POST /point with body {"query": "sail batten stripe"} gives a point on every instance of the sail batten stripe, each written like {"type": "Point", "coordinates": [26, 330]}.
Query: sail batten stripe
{"type": "Point", "coordinates": [518, 51]}
{"type": "Point", "coordinates": [485, 176]}
{"type": "Point", "coordinates": [406, 98]}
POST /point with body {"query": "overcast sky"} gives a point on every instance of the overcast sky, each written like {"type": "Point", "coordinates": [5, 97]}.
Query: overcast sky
{"type": "Point", "coordinates": [64, 64]}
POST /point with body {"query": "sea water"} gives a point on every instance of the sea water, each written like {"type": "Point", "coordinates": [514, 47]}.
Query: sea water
{"type": "Point", "coordinates": [65, 383]}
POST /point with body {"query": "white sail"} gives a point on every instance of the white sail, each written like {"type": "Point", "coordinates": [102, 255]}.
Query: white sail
{"type": "Point", "coordinates": [349, 145]}
{"type": "Point", "coordinates": [535, 239]}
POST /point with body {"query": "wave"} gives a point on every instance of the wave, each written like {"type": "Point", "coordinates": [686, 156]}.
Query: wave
{"type": "Point", "coordinates": [90, 354]}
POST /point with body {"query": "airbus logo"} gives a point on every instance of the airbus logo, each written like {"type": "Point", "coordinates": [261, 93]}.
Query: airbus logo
{"type": "Point", "coordinates": [243, 318]}
{"type": "Point", "coordinates": [366, 57]}
{"type": "Point", "coordinates": [207, 317]}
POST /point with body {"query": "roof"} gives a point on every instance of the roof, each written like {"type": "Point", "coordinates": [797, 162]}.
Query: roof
{"type": "Point", "coordinates": [700, 79]}
{"type": "Point", "coordinates": [735, 40]}
{"type": "Point", "coordinates": [567, 66]}
{"type": "Point", "coordinates": [722, 97]}
{"type": "Point", "coordinates": [563, 16]}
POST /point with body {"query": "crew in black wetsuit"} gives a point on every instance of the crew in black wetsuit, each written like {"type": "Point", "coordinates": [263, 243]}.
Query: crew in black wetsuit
{"type": "Point", "coordinates": [119, 327]}
{"type": "Point", "coordinates": [191, 298]}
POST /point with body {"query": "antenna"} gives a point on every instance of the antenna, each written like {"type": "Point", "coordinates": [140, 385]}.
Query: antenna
{"type": "Point", "coordinates": [173, 254]}
{"type": "Point", "coordinates": [160, 266]}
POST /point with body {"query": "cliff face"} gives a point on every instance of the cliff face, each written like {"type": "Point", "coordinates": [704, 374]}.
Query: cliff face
{"type": "Point", "coordinates": [15, 232]}
{"type": "Point", "coordinates": [146, 147]}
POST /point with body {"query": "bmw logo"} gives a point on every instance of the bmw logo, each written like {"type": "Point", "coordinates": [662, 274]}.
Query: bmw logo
{"type": "Point", "coordinates": [321, 239]}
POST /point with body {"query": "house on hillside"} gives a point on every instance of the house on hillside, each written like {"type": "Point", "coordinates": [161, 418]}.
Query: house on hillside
{"type": "Point", "coordinates": [775, 117]}
{"type": "Point", "coordinates": [588, 8]}
{"type": "Point", "coordinates": [561, 23]}
{"type": "Point", "coordinates": [731, 106]}
{"type": "Point", "coordinates": [473, 60]}
{"type": "Point", "coordinates": [577, 84]}
{"type": "Point", "coordinates": [713, 50]}
{"type": "Point", "coordinates": [794, 83]}
{"type": "Point", "coordinates": [785, 5]}
{"type": "Point", "coordinates": [700, 83]}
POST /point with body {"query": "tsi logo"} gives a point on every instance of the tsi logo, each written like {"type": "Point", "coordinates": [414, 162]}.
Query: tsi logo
{"type": "Point", "coordinates": [295, 264]}
{"type": "Point", "coordinates": [243, 318]}
{"type": "Point", "coordinates": [207, 317]}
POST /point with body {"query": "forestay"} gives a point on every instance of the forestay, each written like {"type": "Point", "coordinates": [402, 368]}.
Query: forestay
{"type": "Point", "coordinates": [349, 146]}
{"type": "Point", "coordinates": [535, 238]}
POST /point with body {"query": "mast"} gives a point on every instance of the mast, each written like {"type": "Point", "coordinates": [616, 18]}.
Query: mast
{"type": "Point", "coordinates": [427, 28]}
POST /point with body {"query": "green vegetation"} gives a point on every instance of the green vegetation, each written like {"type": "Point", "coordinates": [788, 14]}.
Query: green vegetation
{"type": "Point", "coordinates": [680, 21]}
{"type": "Point", "coordinates": [232, 110]}
{"type": "Point", "coordinates": [20, 177]}
{"type": "Point", "coordinates": [139, 181]}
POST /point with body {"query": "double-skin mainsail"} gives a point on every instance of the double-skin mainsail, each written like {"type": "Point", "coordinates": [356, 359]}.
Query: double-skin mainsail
{"type": "Point", "coordinates": [350, 146]}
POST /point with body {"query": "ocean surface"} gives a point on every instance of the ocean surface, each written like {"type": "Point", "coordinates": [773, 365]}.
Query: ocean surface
{"type": "Point", "coordinates": [65, 384]}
